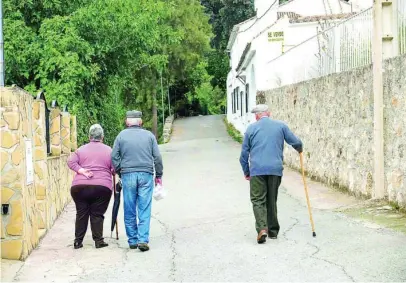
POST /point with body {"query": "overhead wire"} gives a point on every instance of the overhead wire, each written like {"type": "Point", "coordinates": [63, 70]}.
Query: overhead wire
{"type": "Point", "coordinates": [257, 19]}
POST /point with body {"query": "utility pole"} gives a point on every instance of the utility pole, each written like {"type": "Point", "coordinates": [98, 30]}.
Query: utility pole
{"type": "Point", "coordinates": [154, 108]}
{"type": "Point", "coordinates": [377, 58]}
{"type": "Point", "coordinates": [384, 45]}
{"type": "Point", "coordinates": [163, 107]}
{"type": "Point", "coordinates": [2, 69]}
{"type": "Point", "coordinates": [169, 99]}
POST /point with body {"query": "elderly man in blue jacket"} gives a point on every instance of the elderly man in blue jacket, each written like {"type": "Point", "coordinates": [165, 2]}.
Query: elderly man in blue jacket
{"type": "Point", "coordinates": [262, 162]}
{"type": "Point", "coordinates": [136, 156]}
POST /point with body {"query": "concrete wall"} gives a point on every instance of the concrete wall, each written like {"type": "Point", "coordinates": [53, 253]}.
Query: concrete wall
{"type": "Point", "coordinates": [333, 116]}
{"type": "Point", "coordinates": [168, 128]}
{"type": "Point", "coordinates": [34, 187]}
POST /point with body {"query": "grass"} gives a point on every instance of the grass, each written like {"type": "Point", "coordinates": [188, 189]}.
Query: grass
{"type": "Point", "coordinates": [233, 132]}
{"type": "Point", "coordinates": [385, 214]}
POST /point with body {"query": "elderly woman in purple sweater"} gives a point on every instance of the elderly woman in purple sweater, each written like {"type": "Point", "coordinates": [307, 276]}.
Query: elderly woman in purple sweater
{"type": "Point", "coordinates": [92, 186]}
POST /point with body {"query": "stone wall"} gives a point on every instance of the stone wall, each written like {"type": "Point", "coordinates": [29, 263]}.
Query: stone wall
{"type": "Point", "coordinates": [168, 129]}
{"type": "Point", "coordinates": [40, 165]}
{"type": "Point", "coordinates": [333, 116]}
{"type": "Point", "coordinates": [25, 188]}
{"type": "Point", "coordinates": [60, 179]}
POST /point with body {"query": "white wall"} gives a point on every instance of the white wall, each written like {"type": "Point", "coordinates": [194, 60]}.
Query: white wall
{"type": "Point", "coordinates": [362, 4]}
{"type": "Point", "coordinates": [256, 31]}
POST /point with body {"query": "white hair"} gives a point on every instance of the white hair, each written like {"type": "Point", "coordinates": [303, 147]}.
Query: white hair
{"type": "Point", "coordinates": [134, 122]}
{"type": "Point", "coordinates": [96, 132]}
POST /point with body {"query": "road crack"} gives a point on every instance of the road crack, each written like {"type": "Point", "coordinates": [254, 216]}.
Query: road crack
{"type": "Point", "coordinates": [284, 234]}
{"type": "Point", "coordinates": [313, 255]}
{"type": "Point", "coordinates": [18, 273]}
{"type": "Point", "coordinates": [172, 247]}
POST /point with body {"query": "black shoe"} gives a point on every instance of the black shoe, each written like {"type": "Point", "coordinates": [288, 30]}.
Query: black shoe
{"type": "Point", "coordinates": [77, 245]}
{"type": "Point", "coordinates": [272, 235]}
{"type": "Point", "coordinates": [134, 247]}
{"type": "Point", "coordinates": [143, 247]}
{"type": "Point", "coordinates": [101, 245]}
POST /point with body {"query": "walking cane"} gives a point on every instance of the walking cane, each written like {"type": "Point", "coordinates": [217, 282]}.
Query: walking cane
{"type": "Point", "coordinates": [307, 194]}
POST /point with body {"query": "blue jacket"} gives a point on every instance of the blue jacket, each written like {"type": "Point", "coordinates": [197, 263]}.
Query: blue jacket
{"type": "Point", "coordinates": [262, 149]}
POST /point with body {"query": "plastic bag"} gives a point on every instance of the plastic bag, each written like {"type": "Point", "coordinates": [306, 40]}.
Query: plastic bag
{"type": "Point", "coordinates": [159, 192]}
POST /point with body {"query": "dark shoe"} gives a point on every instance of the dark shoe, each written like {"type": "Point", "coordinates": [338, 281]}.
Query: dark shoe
{"type": "Point", "coordinates": [134, 247]}
{"type": "Point", "coordinates": [143, 247]}
{"type": "Point", "coordinates": [77, 245]}
{"type": "Point", "coordinates": [101, 245]}
{"type": "Point", "coordinates": [272, 235]}
{"type": "Point", "coordinates": [262, 236]}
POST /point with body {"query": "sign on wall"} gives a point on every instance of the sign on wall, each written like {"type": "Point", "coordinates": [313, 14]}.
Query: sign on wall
{"type": "Point", "coordinates": [29, 162]}
{"type": "Point", "coordinates": [275, 36]}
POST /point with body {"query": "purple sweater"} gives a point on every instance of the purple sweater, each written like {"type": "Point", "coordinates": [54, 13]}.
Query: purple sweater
{"type": "Point", "coordinates": [96, 157]}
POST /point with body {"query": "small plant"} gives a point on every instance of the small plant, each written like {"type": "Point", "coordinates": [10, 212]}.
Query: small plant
{"type": "Point", "coordinates": [233, 132]}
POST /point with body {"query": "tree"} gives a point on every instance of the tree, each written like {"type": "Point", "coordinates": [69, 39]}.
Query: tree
{"type": "Point", "coordinates": [224, 14]}
{"type": "Point", "coordinates": [103, 57]}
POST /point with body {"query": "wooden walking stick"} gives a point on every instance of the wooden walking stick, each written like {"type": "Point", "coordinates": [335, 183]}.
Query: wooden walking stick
{"type": "Point", "coordinates": [307, 194]}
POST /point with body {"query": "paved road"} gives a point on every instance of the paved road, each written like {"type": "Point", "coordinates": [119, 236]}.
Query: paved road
{"type": "Point", "coordinates": [204, 230]}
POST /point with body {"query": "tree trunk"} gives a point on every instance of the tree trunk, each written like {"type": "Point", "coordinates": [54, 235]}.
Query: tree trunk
{"type": "Point", "coordinates": [154, 113]}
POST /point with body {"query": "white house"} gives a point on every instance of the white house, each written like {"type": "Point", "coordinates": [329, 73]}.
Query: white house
{"type": "Point", "coordinates": [272, 31]}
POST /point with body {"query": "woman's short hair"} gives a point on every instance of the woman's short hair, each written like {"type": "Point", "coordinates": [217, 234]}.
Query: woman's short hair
{"type": "Point", "coordinates": [96, 132]}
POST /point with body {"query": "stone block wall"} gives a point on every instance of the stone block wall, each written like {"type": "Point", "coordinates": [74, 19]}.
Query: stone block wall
{"type": "Point", "coordinates": [25, 187]}
{"type": "Point", "coordinates": [55, 131]}
{"type": "Point", "coordinates": [40, 165]}
{"type": "Point", "coordinates": [19, 226]}
{"type": "Point", "coordinates": [73, 133]}
{"type": "Point", "coordinates": [65, 133]}
{"type": "Point", "coordinates": [60, 179]}
{"type": "Point", "coordinates": [168, 128]}
{"type": "Point", "coordinates": [333, 116]}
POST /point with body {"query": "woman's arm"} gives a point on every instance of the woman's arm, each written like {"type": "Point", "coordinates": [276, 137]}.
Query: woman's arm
{"type": "Point", "coordinates": [73, 162]}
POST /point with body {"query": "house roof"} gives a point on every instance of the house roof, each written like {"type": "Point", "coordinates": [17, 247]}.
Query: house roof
{"type": "Point", "coordinates": [290, 15]}
{"type": "Point", "coordinates": [309, 19]}
{"type": "Point", "coordinates": [234, 32]}
{"type": "Point", "coordinates": [243, 55]}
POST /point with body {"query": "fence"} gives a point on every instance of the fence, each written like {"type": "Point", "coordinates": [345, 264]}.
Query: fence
{"type": "Point", "coordinates": [342, 47]}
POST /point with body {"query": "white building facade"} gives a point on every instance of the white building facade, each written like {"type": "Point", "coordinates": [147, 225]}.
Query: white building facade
{"type": "Point", "coordinates": [275, 29]}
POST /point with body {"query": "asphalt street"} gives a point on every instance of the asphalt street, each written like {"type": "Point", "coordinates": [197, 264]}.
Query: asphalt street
{"type": "Point", "coordinates": [204, 230]}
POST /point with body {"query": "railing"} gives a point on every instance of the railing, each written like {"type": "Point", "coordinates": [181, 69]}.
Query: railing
{"type": "Point", "coordinates": [342, 47]}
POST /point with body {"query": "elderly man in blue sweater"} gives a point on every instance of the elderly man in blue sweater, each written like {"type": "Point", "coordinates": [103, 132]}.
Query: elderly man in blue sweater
{"type": "Point", "coordinates": [262, 162]}
{"type": "Point", "coordinates": [136, 157]}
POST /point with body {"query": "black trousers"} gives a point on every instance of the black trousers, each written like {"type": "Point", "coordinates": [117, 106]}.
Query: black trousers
{"type": "Point", "coordinates": [91, 201]}
{"type": "Point", "coordinates": [264, 194]}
